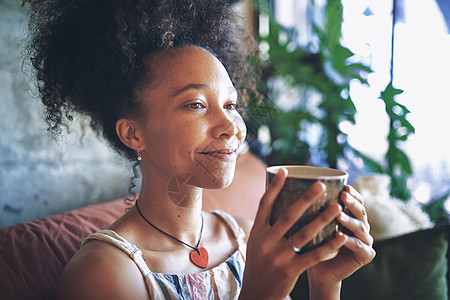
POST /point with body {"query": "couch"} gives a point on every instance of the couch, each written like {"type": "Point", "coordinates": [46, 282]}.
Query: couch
{"type": "Point", "coordinates": [33, 254]}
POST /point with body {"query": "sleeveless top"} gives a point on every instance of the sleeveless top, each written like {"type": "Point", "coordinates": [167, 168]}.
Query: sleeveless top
{"type": "Point", "coordinates": [221, 282]}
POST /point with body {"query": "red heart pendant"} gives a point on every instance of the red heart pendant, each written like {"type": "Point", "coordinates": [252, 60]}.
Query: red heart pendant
{"type": "Point", "coordinates": [200, 258]}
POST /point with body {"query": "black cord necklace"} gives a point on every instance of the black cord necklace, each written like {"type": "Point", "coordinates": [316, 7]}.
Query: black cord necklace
{"type": "Point", "coordinates": [199, 256]}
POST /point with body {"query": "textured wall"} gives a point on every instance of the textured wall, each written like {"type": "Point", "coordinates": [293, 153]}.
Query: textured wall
{"type": "Point", "coordinates": [38, 175]}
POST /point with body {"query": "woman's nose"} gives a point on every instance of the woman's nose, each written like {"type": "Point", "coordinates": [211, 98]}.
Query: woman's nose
{"type": "Point", "coordinates": [228, 125]}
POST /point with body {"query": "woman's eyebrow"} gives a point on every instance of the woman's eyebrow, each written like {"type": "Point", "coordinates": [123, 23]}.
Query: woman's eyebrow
{"type": "Point", "coordinates": [196, 86]}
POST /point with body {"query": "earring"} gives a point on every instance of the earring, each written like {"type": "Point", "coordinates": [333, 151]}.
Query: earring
{"type": "Point", "coordinates": [139, 157]}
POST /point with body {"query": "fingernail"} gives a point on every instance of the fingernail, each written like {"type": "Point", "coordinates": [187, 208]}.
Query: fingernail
{"type": "Point", "coordinates": [343, 216]}
{"type": "Point", "coordinates": [281, 173]}
{"type": "Point", "coordinates": [319, 187]}
{"type": "Point", "coordinates": [340, 233]}
{"type": "Point", "coordinates": [348, 199]}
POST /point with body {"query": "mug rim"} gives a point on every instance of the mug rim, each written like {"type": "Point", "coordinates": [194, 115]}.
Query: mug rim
{"type": "Point", "coordinates": [332, 174]}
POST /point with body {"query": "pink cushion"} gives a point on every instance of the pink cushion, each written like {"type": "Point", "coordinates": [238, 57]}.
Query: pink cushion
{"type": "Point", "coordinates": [33, 254]}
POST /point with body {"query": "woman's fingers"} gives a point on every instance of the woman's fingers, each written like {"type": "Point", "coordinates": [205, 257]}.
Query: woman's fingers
{"type": "Point", "coordinates": [363, 253]}
{"type": "Point", "coordinates": [310, 230]}
{"type": "Point", "coordinates": [358, 228]}
{"type": "Point", "coordinates": [355, 207]}
{"type": "Point", "coordinates": [265, 205]}
{"type": "Point", "coordinates": [297, 209]}
{"type": "Point", "coordinates": [351, 190]}
{"type": "Point", "coordinates": [356, 219]}
{"type": "Point", "coordinates": [275, 234]}
{"type": "Point", "coordinates": [311, 258]}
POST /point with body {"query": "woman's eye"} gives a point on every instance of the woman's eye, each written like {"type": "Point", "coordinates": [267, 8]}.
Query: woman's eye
{"type": "Point", "coordinates": [196, 105]}
{"type": "Point", "coordinates": [232, 106]}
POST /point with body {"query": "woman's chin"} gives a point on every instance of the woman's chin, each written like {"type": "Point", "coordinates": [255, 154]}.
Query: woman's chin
{"type": "Point", "coordinates": [217, 176]}
{"type": "Point", "coordinates": [217, 182]}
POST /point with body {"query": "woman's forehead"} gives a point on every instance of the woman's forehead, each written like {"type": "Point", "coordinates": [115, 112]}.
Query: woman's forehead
{"type": "Point", "coordinates": [187, 65]}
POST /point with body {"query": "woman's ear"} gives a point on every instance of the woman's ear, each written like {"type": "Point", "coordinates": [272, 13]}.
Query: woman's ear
{"type": "Point", "coordinates": [128, 132]}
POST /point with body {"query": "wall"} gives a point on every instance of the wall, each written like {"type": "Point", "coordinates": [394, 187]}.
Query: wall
{"type": "Point", "coordinates": [39, 175]}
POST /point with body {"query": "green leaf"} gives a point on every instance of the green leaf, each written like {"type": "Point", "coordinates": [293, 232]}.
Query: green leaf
{"type": "Point", "coordinates": [435, 209]}
{"type": "Point", "coordinates": [399, 188]}
{"type": "Point", "coordinates": [405, 123]}
{"type": "Point", "coordinates": [369, 162]}
{"type": "Point", "coordinates": [388, 96]}
{"type": "Point", "coordinates": [333, 23]}
{"type": "Point", "coordinates": [360, 67]}
{"type": "Point", "coordinates": [403, 161]}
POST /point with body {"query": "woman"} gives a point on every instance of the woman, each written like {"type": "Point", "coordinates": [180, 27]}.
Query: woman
{"type": "Point", "coordinates": [160, 80]}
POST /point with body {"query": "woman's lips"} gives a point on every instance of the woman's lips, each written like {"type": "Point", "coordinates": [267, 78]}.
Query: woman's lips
{"type": "Point", "coordinates": [225, 154]}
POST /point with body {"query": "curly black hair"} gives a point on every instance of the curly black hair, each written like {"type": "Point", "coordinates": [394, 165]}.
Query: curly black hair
{"type": "Point", "coordinates": [89, 55]}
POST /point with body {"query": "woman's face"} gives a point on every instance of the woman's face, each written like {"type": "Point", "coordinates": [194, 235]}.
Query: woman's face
{"type": "Point", "coordinates": [191, 128]}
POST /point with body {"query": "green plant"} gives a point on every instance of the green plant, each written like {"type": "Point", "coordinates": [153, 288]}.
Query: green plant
{"type": "Point", "coordinates": [398, 166]}
{"type": "Point", "coordinates": [321, 73]}
{"type": "Point", "coordinates": [435, 209]}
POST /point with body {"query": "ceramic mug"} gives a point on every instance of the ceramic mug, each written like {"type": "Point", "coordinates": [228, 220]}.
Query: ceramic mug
{"type": "Point", "coordinates": [298, 180]}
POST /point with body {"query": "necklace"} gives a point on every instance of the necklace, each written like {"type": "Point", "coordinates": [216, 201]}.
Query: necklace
{"type": "Point", "coordinates": [199, 256]}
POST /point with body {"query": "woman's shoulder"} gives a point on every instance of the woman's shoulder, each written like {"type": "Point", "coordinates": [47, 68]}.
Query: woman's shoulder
{"type": "Point", "coordinates": [244, 223]}
{"type": "Point", "coordinates": [100, 270]}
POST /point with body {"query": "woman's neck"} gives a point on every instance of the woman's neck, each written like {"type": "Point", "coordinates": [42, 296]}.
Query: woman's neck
{"type": "Point", "coordinates": [173, 205]}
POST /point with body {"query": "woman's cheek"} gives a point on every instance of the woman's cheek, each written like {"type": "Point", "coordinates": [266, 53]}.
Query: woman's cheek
{"type": "Point", "coordinates": [241, 127]}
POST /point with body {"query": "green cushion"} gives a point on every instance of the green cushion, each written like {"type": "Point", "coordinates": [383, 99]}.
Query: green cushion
{"type": "Point", "coordinates": [412, 266]}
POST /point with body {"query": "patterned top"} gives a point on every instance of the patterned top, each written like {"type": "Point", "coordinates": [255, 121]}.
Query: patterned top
{"type": "Point", "coordinates": [221, 282]}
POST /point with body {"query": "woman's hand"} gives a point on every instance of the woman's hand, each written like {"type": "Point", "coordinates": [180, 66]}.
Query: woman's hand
{"type": "Point", "coordinates": [272, 266]}
{"type": "Point", "coordinates": [357, 250]}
